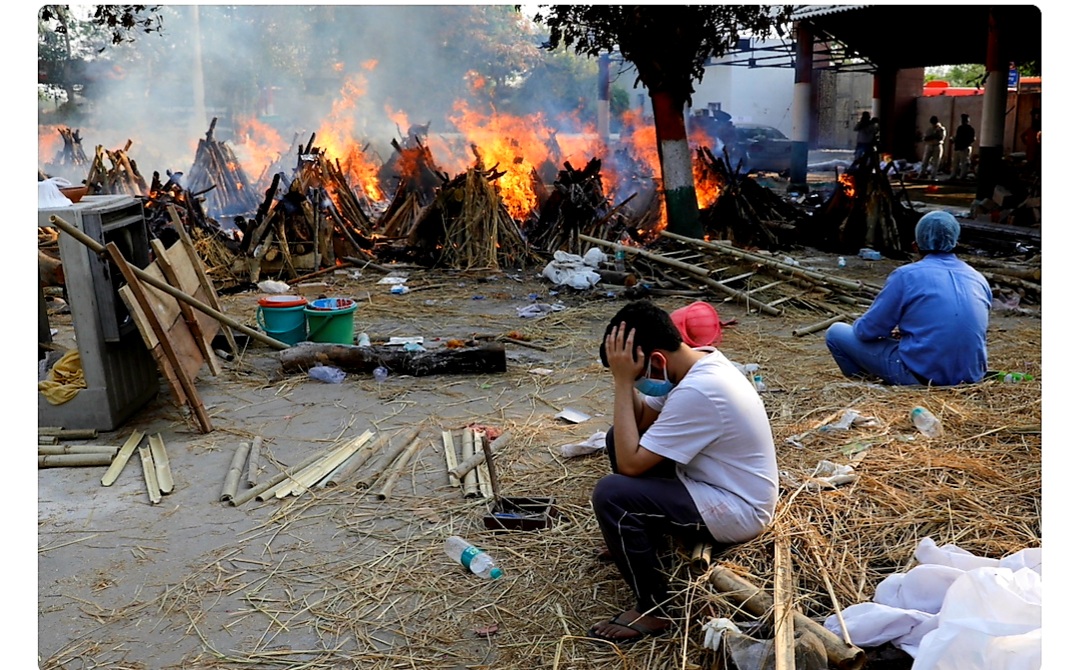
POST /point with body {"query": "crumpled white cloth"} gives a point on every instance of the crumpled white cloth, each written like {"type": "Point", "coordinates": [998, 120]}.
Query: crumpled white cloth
{"type": "Point", "coordinates": [955, 610]}
{"type": "Point", "coordinates": [538, 309]}
{"type": "Point", "coordinates": [571, 270]}
{"type": "Point", "coordinates": [48, 193]}
{"type": "Point", "coordinates": [594, 443]}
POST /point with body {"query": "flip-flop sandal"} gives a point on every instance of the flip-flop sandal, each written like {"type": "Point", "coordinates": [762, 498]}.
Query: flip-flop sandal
{"type": "Point", "coordinates": [643, 632]}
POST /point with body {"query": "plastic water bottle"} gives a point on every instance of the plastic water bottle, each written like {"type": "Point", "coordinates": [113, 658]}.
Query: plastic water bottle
{"type": "Point", "coordinates": [760, 385]}
{"type": "Point", "coordinates": [841, 262]}
{"type": "Point", "coordinates": [364, 340]}
{"type": "Point", "coordinates": [380, 374]}
{"type": "Point", "coordinates": [327, 374]}
{"type": "Point", "coordinates": [927, 423]}
{"type": "Point", "coordinates": [472, 558]}
{"type": "Point", "coordinates": [620, 255]}
{"type": "Point", "coordinates": [1013, 377]}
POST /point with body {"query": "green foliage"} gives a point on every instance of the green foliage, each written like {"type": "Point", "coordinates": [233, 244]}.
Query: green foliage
{"type": "Point", "coordinates": [669, 45]}
{"type": "Point", "coordinates": [120, 22]}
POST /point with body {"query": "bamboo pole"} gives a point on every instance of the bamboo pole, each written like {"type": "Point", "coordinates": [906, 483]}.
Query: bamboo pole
{"type": "Point", "coordinates": [703, 274]}
{"type": "Point", "coordinates": [728, 249]}
{"type": "Point", "coordinates": [168, 288]}
{"type": "Point", "coordinates": [450, 457]}
{"type": "Point", "coordinates": [260, 490]}
{"type": "Point", "coordinates": [472, 462]}
{"type": "Point", "coordinates": [485, 488]}
{"type": "Point", "coordinates": [354, 462]}
{"type": "Point", "coordinates": [398, 467]}
{"type": "Point", "coordinates": [121, 458]}
{"type": "Point", "coordinates": [840, 654]}
{"type": "Point", "coordinates": [72, 460]}
{"type": "Point", "coordinates": [47, 439]}
{"type": "Point", "coordinates": [68, 433]}
{"type": "Point", "coordinates": [814, 328]}
{"type": "Point", "coordinates": [700, 557]}
{"type": "Point", "coordinates": [152, 487]}
{"type": "Point", "coordinates": [161, 466]}
{"type": "Point", "coordinates": [310, 476]}
{"type": "Point", "coordinates": [784, 642]}
{"type": "Point", "coordinates": [470, 479]}
{"type": "Point", "coordinates": [231, 479]}
{"type": "Point", "coordinates": [383, 462]}
{"type": "Point", "coordinates": [254, 460]}
{"type": "Point", "coordinates": [57, 449]}
{"type": "Point", "coordinates": [494, 481]}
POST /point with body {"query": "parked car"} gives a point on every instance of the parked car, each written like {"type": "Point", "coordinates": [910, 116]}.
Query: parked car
{"type": "Point", "coordinates": [766, 148]}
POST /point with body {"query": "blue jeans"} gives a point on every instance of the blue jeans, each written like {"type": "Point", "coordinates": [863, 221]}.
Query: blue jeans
{"type": "Point", "coordinates": [879, 358]}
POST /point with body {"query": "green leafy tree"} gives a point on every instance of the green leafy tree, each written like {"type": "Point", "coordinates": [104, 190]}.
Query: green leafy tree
{"type": "Point", "coordinates": [669, 45]}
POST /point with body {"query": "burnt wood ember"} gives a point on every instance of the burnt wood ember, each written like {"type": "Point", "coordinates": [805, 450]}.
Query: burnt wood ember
{"type": "Point", "coordinates": [216, 172]}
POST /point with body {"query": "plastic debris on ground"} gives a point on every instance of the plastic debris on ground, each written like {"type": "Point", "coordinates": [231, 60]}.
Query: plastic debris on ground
{"type": "Point", "coordinates": [538, 309]}
{"type": "Point", "coordinates": [273, 286]}
{"type": "Point", "coordinates": [956, 610]}
{"type": "Point", "coordinates": [393, 280]}
{"type": "Point", "coordinates": [849, 419]}
{"type": "Point", "coordinates": [573, 415]}
{"type": "Point", "coordinates": [592, 444]}
{"type": "Point", "coordinates": [327, 374]}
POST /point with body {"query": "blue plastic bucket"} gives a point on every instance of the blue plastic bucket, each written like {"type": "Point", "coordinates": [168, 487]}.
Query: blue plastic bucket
{"type": "Point", "coordinates": [281, 317]}
{"type": "Point", "coordinates": [331, 320]}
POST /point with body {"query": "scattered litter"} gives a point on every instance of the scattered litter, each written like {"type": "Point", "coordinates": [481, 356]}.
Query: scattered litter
{"type": "Point", "coordinates": [594, 443]}
{"type": "Point", "coordinates": [573, 415]}
{"type": "Point", "coordinates": [538, 309]}
{"type": "Point", "coordinates": [273, 286]}
{"type": "Point", "coordinates": [405, 340]}
{"type": "Point", "coordinates": [395, 281]}
{"type": "Point", "coordinates": [399, 289]}
{"type": "Point", "coordinates": [413, 346]}
{"type": "Point", "coordinates": [870, 255]}
{"type": "Point", "coordinates": [714, 630]}
{"type": "Point", "coordinates": [364, 340]}
{"type": "Point", "coordinates": [327, 374]}
{"type": "Point", "coordinates": [828, 474]}
{"type": "Point", "coordinates": [571, 270]}
{"type": "Point", "coordinates": [545, 372]}
{"type": "Point", "coordinates": [851, 418]}
{"type": "Point", "coordinates": [487, 631]}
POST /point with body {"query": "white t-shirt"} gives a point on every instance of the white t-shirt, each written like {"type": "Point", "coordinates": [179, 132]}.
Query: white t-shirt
{"type": "Point", "coordinates": [714, 426]}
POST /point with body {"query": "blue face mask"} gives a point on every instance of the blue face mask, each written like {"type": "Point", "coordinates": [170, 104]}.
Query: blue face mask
{"type": "Point", "coordinates": [653, 387]}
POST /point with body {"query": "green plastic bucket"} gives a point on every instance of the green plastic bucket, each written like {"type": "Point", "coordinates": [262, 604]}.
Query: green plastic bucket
{"type": "Point", "coordinates": [281, 317]}
{"type": "Point", "coordinates": [331, 320]}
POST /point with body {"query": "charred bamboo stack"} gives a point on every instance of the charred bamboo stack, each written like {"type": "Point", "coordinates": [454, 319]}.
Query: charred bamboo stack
{"type": "Point", "coordinates": [216, 172]}
{"type": "Point", "coordinates": [745, 212]}
{"type": "Point", "coordinates": [467, 226]}
{"type": "Point", "coordinates": [72, 152]}
{"type": "Point", "coordinates": [576, 205]}
{"type": "Point", "coordinates": [121, 178]}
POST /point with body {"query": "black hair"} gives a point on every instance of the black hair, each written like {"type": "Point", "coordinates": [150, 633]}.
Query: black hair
{"type": "Point", "coordinates": [654, 328]}
{"type": "Point", "coordinates": [933, 119]}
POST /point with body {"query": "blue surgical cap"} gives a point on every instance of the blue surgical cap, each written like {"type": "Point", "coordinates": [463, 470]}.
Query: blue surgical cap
{"type": "Point", "coordinates": [937, 231]}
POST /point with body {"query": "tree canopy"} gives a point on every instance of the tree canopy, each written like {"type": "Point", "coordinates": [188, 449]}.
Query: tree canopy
{"type": "Point", "coordinates": [669, 45]}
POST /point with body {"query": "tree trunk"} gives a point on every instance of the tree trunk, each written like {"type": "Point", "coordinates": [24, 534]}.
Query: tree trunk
{"type": "Point", "coordinates": [681, 203]}
{"type": "Point", "coordinates": [482, 359]}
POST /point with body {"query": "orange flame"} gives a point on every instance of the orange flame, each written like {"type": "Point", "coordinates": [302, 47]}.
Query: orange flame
{"type": "Point", "coordinates": [258, 145]}
{"type": "Point", "coordinates": [515, 145]}
{"type": "Point", "coordinates": [848, 183]}
{"type": "Point", "coordinates": [336, 138]}
{"type": "Point", "coordinates": [369, 65]}
{"type": "Point", "coordinates": [49, 143]}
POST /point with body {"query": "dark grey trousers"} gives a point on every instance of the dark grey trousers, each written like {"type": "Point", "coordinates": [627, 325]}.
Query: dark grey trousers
{"type": "Point", "coordinates": [636, 514]}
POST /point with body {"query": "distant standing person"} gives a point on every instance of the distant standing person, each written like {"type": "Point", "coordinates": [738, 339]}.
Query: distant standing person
{"type": "Point", "coordinates": [963, 138]}
{"type": "Point", "coordinates": [865, 133]}
{"type": "Point", "coordinates": [935, 139]}
{"type": "Point", "coordinates": [1032, 138]}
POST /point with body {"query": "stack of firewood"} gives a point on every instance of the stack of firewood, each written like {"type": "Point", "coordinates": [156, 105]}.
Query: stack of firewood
{"type": "Point", "coordinates": [468, 226]}
{"type": "Point", "coordinates": [416, 177]}
{"type": "Point", "coordinates": [120, 178]}
{"type": "Point", "coordinates": [745, 212]}
{"type": "Point", "coordinates": [71, 153]}
{"type": "Point", "coordinates": [576, 204]}
{"type": "Point", "coordinates": [217, 174]}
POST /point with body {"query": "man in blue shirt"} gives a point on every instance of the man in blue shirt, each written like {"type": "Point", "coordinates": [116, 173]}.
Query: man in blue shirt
{"type": "Point", "coordinates": [928, 324]}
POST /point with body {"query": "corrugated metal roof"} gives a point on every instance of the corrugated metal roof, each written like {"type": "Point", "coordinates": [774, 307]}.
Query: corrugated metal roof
{"type": "Point", "coordinates": [811, 11]}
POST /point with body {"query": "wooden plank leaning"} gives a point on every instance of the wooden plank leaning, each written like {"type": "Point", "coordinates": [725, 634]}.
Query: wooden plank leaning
{"type": "Point", "coordinates": [98, 248]}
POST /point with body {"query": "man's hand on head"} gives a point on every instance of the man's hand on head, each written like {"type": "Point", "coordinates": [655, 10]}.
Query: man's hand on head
{"type": "Point", "coordinates": [625, 359]}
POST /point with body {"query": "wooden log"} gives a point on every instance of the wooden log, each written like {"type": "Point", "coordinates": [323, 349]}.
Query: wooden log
{"type": "Point", "coordinates": [743, 593]}
{"type": "Point", "coordinates": [121, 458]}
{"type": "Point", "coordinates": [471, 463]}
{"type": "Point", "coordinates": [231, 479]}
{"type": "Point", "coordinates": [494, 481]}
{"type": "Point", "coordinates": [484, 358]}
{"type": "Point", "coordinates": [72, 460]}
